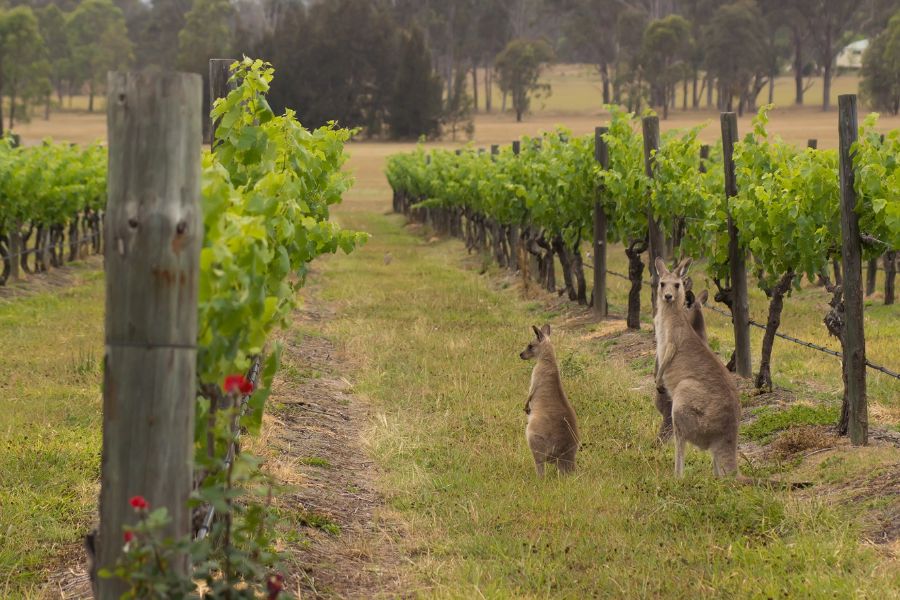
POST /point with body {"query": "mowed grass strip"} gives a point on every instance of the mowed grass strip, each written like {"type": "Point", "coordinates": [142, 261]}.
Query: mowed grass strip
{"type": "Point", "coordinates": [437, 349]}
{"type": "Point", "coordinates": [51, 352]}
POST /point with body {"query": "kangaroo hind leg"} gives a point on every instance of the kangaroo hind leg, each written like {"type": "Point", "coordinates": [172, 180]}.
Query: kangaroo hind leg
{"type": "Point", "coordinates": [679, 454]}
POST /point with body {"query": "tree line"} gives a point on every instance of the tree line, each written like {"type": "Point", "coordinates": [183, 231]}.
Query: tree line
{"type": "Point", "coordinates": [405, 68]}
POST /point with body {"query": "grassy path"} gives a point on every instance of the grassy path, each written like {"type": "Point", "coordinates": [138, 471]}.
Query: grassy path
{"type": "Point", "coordinates": [437, 348]}
{"type": "Point", "coordinates": [432, 349]}
{"type": "Point", "coordinates": [51, 348]}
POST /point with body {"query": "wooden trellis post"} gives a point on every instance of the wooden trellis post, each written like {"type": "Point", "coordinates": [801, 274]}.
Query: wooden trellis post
{"type": "Point", "coordinates": [219, 86]}
{"type": "Point", "coordinates": [154, 230]}
{"type": "Point", "coordinates": [601, 154]}
{"type": "Point", "coordinates": [854, 342]}
{"type": "Point", "coordinates": [655, 233]}
{"type": "Point", "coordinates": [740, 305]}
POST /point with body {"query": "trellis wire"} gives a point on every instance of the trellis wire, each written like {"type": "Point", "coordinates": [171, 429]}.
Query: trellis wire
{"type": "Point", "coordinates": [784, 336]}
{"type": "Point", "coordinates": [253, 376]}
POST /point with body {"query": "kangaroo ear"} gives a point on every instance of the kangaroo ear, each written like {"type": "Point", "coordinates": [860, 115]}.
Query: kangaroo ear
{"type": "Point", "coordinates": [546, 330]}
{"type": "Point", "coordinates": [661, 266]}
{"type": "Point", "coordinates": [537, 332]}
{"type": "Point", "coordinates": [703, 297]}
{"type": "Point", "coordinates": [688, 284]}
{"type": "Point", "coordinates": [684, 266]}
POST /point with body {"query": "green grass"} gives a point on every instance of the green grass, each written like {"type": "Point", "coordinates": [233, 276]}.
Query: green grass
{"type": "Point", "coordinates": [316, 461]}
{"type": "Point", "coordinates": [50, 428]}
{"type": "Point", "coordinates": [577, 89]}
{"type": "Point", "coordinates": [770, 421]}
{"type": "Point", "coordinates": [318, 521]}
{"type": "Point", "coordinates": [437, 348]}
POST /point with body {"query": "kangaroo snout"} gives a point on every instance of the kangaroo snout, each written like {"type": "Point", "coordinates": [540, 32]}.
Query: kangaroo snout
{"type": "Point", "coordinates": [522, 356]}
{"type": "Point", "coordinates": [668, 297]}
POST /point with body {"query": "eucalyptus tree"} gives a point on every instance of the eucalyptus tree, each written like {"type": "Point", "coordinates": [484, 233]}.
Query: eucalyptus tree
{"type": "Point", "coordinates": [519, 68]}
{"type": "Point", "coordinates": [21, 50]}
{"type": "Point", "coordinates": [732, 27]}
{"type": "Point", "coordinates": [52, 26]}
{"type": "Point", "coordinates": [880, 85]}
{"type": "Point", "coordinates": [99, 43]}
{"type": "Point", "coordinates": [665, 57]}
{"type": "Point", "coordinates": [829, 23]}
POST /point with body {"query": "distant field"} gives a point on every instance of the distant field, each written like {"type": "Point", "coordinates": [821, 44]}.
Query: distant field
{"type": "Point", "coordinates": [575, 103]}
{"type": "Point", "coordinates": [578, 89]}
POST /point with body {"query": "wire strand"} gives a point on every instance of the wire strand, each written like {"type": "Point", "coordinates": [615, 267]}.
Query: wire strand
{"type": "Point", "coordinates": [783, 336]}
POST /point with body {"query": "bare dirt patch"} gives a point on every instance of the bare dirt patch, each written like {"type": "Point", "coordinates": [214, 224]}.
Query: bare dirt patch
{"type": "Point", "coordinates": [802, 439]}
{"type": "Point", "coordinates": [346, 547]}
{"type": "Point", "coordinates": [70, 580]}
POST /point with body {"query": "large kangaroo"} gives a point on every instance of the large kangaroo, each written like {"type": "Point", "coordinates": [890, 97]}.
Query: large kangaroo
{"type": "Point", "coordinates": [552, 431]}
{"type": "Point", "coordinates": [705, 405]}
{"type": "Point", "coordinates": [698, 324]}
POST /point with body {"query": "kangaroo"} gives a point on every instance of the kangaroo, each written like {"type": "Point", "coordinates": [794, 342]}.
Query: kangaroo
{"type": "Point", "coordinates": [695, 316]}
{"type": "Point", "coordinates": [705, 405]}
{"type": "Point", "coordinates": [552, 431]}
{"type": "Point", "coordinates": [698, 324]}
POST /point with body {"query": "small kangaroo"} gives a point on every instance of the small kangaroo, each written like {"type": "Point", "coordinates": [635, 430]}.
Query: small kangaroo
{"type": "Point", "coordinates": [552, 432]}
{"type": "Point", "coordinates": [705, 405]}
{"type": "Point", "coordinates": [695, 316]}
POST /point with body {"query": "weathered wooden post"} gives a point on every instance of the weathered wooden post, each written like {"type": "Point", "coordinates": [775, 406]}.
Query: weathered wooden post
{"type": "Point", "coordinates": [740, 303]}
{"type": "Point", "coordinates": [219, 87]}
{"type": "Point", "coordinates": [521, 234]}
{"type": "Point", "coordinates": [154, 230]}
{"type": "Point", "coordinates": [851, 259]}
{"type": "Point", "coordinates": [601, 154]}
{"type": "Point", "coordinates": [656, 235]}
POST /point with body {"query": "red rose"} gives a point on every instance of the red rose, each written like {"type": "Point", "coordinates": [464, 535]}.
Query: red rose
{"type": "Point", "coordinates": [275, 584]}
{"type": "Point", "coordinates": [129, 535]}
{"type": "Point", "coordinates": [238, 383]}
{"type": "Point", "coordinates": [138, 502]}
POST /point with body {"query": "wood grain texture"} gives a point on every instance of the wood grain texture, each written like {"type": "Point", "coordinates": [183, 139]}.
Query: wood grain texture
{"type": "Point", "coordinates": [657, 236]}
{"type": "Point", "coordinates": [219, 86]}
{"type": "Point", "coordinates": [740, 308]}
{"type": "Point", "coordinates": [601, 154]}
{"type": "Point", "coordinates": [851, 261]}
{"type": "Point", "coordinates": [154, 231]}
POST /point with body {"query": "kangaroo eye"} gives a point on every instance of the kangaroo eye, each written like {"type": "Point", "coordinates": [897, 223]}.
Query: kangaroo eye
{"type": "Point", "coordinates": [677, 285]}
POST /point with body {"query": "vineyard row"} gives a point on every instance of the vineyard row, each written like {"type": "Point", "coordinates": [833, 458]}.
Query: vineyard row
{"type": "Point", "coordinates": [755, 199]}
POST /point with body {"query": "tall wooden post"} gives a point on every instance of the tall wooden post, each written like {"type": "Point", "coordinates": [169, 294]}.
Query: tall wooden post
{"type": "Point", "coordinates": [851, 259]}
{"type": "Point", "coordinates": [601, 154]}
{"type": "Point", "coordinates": [740, 305]}
{"type": "Point", "coordinates": [219, 87]}
{"type": "Point", "coordinates": [154, 231]}
{"type": "Point", "coordinates": [656, 235]}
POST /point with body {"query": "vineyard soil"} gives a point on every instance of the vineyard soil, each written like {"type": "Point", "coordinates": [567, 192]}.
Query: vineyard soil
{"type": "Point", "coordinates": [335, 529]}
